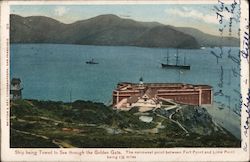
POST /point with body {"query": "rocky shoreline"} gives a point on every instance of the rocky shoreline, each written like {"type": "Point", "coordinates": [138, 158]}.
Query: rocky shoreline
{"type": "Point", "coordinates": [84, 124]}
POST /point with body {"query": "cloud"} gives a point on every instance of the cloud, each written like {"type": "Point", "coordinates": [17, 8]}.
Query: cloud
{"type": "Point", "coordinates": [60, 11]}
{"type": "Point", "coordinates": [192, 13]}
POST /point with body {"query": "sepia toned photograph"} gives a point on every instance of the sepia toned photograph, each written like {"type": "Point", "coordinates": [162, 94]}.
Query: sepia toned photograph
{"type": "Point", "coordinates": [127, 75]}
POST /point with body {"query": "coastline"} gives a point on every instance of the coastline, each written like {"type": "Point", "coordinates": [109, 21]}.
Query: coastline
{"type": "Point", "coordinates": [225, 118]}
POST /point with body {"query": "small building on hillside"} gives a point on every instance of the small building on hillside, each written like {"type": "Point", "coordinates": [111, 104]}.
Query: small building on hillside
{"type": "Point", "coordinates": [147, 99]}
{"type": "Point", "coordinates": [151, 94]}
{"type": "Point", "coordinates": [15, 89]}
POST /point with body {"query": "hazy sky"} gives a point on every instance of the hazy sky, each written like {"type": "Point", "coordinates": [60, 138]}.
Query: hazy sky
{"type": "Point", "coordinates": [201, 16]}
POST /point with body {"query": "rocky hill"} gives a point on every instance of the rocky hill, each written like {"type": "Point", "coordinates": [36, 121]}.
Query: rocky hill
{"type": "Point", "coordinates": [108, 30]}
{"type": "Point", "coordinates": [207, 40]}
{"type": "Point", "coordinates": [84, 124]}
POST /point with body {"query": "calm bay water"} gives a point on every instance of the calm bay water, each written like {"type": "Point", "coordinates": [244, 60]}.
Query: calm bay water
{"type": "Point", "coordinates": [53, 72]}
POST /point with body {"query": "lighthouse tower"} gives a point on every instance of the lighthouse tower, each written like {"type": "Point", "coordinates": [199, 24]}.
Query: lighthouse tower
{"type": "Point", "coordinates": [15, 89]}
{"type": "Point", "coordinates": [141, 87]}
{"type": "Point", "coordinates": [141, 81]}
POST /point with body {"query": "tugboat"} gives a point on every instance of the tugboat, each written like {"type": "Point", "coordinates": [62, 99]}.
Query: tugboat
{"type": "Point", "coordinates": [91, 62]}
{"type": "Point", "coordinates": [176, 65]}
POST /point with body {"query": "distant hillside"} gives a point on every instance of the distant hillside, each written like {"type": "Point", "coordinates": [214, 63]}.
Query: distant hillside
{"type": "Point", "coordinates": [107, 30]}
{"type": "Point", "coordinates": [100, 30]}
{"type": "Point", "coordinates": [208, 40]}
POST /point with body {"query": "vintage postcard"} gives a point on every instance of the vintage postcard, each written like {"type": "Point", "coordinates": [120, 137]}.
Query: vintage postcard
{"type": "Point", "coordinates": [125, 80]}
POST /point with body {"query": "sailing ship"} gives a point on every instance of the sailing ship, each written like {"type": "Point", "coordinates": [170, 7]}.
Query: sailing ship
{"type": "Point", "coordinates": [176, 65]}
{"type": "Point", "coordinates": [91, 62]}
